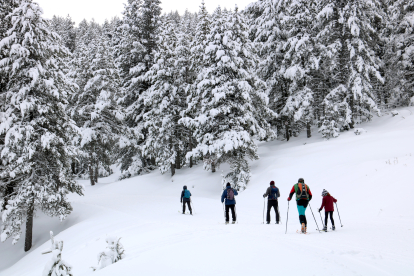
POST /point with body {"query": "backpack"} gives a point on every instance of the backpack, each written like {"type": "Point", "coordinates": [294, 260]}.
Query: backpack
{"type": "Point", "coordinates": [230, 194]}
{"type": "Point", "coordinates": [187, 194]}
{"type": "Point", "coordinates": [302, 191]}
{"type": "Point", "coordinates": [273, 193]}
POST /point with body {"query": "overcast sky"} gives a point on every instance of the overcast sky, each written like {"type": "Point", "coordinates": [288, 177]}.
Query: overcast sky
{"type": "Point", "coordinates": [102, 9]}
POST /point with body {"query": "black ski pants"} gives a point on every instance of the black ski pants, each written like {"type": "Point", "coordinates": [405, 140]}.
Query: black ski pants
{"type": "Point", "coordinates": [275, 205]}
{"type": "Point", "coordinates": [233, 212]}
{"type": "Point", "coordinates": [303, 203]}
{"type": "Point", "coordinates": [189, 206]}
{"type": "Point", "coordinates": [330, 213]}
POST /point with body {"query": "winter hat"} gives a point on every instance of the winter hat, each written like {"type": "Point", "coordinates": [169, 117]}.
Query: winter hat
{"type": "Point", "coordinates": [301, 180]}
{"type": "Point", "coordinates": [324, 192]}
{"type": "Point", "coordinates": [272, 183]}
{"type": "Point", "coordinates": [228, 184]}
{"type": "Point", "coordinates": [185, 187]}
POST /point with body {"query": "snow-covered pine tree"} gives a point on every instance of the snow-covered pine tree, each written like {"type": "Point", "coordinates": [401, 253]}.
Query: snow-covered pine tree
{"type": "Point", "coordinates": [129, 54]}
{"type": "Point", "coordinates": [150, 23]}
{"type": "Point", "coordinates": [65, 27]}
{"type": "Point", "coordinates": [346, 33]}
{"type": "Point", "coordinates": [197, 48]}
{"type": "Point", "coordinates": [298, 62]}
{"type": "Point", "coordinates": [187, 24]}
{"type": "Point", "coordinates": [231, 97]}
{"type": "Point", "coordinates": [166, 99]}
{"type": "Point", "coordinates": [199, 43]}
{"type": "Point", "coordinates": [80, 73]}
{"type": "Point", "coordinates": [400, 55]}
{"type": "Point", "coordinates": [185, 79]}
{"type": "Point", "coordinates": [282, 31]}
{"type": "Point", "coordinates": [135, 56]}
{"type": "Point", "coordinates": [37, 149]}
{"type": "Point", "coordinates": [95, 106]}
{"type": "Point", "coordinates": [266, 30]}
{"type": "Point", "coordinates": [6, 8]}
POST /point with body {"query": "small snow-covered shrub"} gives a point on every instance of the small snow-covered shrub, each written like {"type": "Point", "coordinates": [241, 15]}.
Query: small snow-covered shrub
{"type": "Point", "coordinates": [329, 129]}
{"type": "Point", "coordinates": [56, 266]}
{"type": "Point", "coordinates": [394, 113]}
{"type": "Point", "coordinates": [359, 131]}
{"type": "Point", "coordinates": [113, 253]}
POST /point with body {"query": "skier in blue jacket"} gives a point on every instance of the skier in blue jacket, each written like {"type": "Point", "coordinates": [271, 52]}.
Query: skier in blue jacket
{"type": "Point", "coordinates": [186, 198]}
{"type": "Point", "coordinates": [228, 195]}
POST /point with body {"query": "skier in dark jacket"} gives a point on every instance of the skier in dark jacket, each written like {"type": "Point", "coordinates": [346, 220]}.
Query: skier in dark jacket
{"type": "Point", "coordinates": [303, 196]}
{"type": "Point", "coordinates": [228, 195]}
{"type": "Point", "coordinates": [272, 193]}
{"type": "Point", "coordinates": [186, 198]}
{"type": "Point", "coordinates": [328, 203]}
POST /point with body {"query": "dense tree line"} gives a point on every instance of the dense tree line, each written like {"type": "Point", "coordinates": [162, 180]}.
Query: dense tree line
{"type": "Point", "coordinates": [152, 90]}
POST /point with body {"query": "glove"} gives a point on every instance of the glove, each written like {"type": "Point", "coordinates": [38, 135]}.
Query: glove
{"type": "Point", "coordinates": [289, 198]}
{"type": "Point", "coordinates": [264, 195]}
{"type": "Point", "coordinates": [320, 210]}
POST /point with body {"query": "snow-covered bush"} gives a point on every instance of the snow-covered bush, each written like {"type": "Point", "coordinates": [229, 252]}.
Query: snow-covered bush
{"type": "Point", "coordinates": [113, 253]}
{"type": "Point", "coordinates": [394, 113]}
{"type": "Point", "coordinates": [329, 129]}
{"type": "Point", "coordinates": [359, 131]}
{"type": "Point", "coordinates": [56, 266]}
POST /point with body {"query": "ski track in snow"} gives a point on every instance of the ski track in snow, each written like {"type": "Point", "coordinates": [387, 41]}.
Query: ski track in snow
{"type": "Point", "coordinates": [370, 175]}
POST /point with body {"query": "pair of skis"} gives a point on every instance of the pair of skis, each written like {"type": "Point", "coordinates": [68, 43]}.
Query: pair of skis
{"type": "Point", "coordinates": [186, 213]}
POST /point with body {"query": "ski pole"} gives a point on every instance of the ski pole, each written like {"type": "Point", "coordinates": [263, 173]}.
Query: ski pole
{"type": "Point", "coordinates": [224, 212]}
{"type": "Point", "coordinates": [321, 218]}
{"type": "Point", "coordinates": [235, 211]}
{"type": "Point", "coordinates": [287, 217]}
{"type": "Point", "coordinates": [264, 204]}
{"type": "Point", "coordinates": [314, 218]}
{"type": "Point", "coordinates": [192, 205]}
{"type": "Point", "coordinates": [338, 214]}
{"type": "Point", "coordinates": [280, 217]}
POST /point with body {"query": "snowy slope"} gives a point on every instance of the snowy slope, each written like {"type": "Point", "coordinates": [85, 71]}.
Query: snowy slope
{"type": "Point", "coordinates": [371, 175]}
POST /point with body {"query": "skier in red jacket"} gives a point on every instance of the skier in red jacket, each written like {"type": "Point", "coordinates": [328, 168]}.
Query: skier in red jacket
{"type": "Point", "coordinates": [328, 203]}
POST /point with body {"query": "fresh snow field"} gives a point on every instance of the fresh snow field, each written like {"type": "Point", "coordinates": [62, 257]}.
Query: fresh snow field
{"type": "Point", "coordinates": [371, 175]}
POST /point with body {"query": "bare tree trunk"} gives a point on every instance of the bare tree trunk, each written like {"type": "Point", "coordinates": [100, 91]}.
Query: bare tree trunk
{"type": "Point", "coordinates": [213, 166]}
{"type": "Point", "coordinates": [91, 176]}
{"type": "Point", "coordinates": [172, 169]}
{"type": "Point", "coordinates": [191, 148]}
{"type": "Point", "coordinates": [29, 227]}
{"type": "Point", "coordinates": [96, 170]}
{"type": "Point", "coordinates": [178, 160]}
{"type": "Point", "coordinates": [287, 133]}
{"type": "Point", "coordinates": [308, 128]}
{"type": "Point", "coordinates": [352, 106]}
